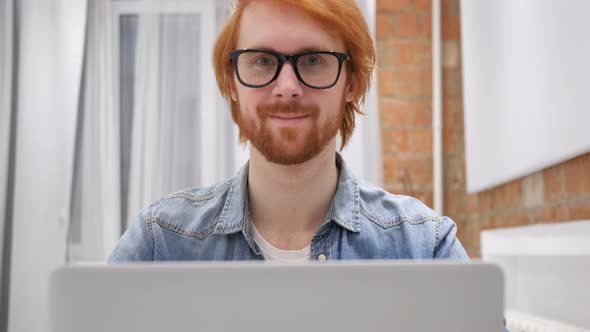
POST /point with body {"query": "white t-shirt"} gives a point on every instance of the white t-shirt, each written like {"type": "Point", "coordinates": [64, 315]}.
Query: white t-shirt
{"type": "Point", "coordinates": [272, 253]}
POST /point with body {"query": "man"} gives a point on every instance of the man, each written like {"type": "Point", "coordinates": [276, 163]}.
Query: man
{"type": "Point", "coordinates": [294, 73]}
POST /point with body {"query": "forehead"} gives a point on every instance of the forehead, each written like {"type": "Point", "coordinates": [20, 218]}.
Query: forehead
{"type": "Point", "coordinates": [282, 28]}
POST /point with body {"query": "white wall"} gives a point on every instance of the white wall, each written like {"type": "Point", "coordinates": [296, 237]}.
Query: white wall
{"type": "Point", "coordinates": [526, 77]}
{"type": "Point", "coordinates": [6, 31]}
{"type": "Point", "coordinates": [51, 44]}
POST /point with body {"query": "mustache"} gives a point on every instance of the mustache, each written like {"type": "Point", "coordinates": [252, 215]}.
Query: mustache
{"type": "Point", "coordinates": [266, 110]}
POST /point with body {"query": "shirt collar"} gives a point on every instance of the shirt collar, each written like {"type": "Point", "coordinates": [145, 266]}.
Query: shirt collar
{"type": "Point", "coordinates": [345, 209]}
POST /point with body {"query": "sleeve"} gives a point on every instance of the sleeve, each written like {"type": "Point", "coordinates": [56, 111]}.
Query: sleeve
{"type": "Point", "coordinates": [447, 246]}
{"type": "Point", "coordinates": [137, 243]}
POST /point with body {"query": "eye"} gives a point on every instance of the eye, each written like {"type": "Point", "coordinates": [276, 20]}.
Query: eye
{"type": "Point", "coordinates": [265, 60]}
{"type": "Point", "coordinates": [313, 60]}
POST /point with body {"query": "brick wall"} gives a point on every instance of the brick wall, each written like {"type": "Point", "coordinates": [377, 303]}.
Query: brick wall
{"type": "Point", "coordinates": [555, 194]}
{"type": "Point", "coordinates": [405, 90]}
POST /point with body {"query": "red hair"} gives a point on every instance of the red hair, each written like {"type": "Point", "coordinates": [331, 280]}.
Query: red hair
{"type": "Point", "coordinates": [342, 17]}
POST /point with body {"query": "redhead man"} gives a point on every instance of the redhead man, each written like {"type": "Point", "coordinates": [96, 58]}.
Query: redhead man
{"type": "Point", "coordinates": [294, 73]}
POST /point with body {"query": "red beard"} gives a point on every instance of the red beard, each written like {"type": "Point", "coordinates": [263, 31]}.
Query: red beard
{"type": "Point", "coordinates": [292, 145]}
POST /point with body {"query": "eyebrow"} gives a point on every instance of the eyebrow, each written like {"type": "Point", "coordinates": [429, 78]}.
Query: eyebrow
{"type": "Point", "coordinates": [302, 50]}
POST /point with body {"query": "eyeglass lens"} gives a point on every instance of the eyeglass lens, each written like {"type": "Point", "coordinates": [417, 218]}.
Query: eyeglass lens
{"type": "Point", "coordinates": [315, 69]}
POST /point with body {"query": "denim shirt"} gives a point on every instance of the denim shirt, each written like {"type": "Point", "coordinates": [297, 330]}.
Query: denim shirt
{"type": "Point", "coordinates": [213, 223]}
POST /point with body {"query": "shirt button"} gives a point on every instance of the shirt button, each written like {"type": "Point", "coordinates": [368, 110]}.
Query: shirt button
{"type": "Point", "coordinates": [322, 258]}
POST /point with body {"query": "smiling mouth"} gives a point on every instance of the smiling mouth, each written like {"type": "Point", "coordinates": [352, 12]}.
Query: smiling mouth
{"type": "Point", "coordinates": [289, 117]}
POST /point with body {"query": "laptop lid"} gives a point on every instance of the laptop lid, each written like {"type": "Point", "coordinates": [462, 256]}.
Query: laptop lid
{"type": "Point", "coordinates": [340, 296]}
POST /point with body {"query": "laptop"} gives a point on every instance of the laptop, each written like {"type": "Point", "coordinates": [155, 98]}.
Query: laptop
{"type": "Point", "coordinates": [342, 296]}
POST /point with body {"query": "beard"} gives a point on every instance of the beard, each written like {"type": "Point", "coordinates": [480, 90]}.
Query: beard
{"type": "Point", "coordinates": [288, 145]}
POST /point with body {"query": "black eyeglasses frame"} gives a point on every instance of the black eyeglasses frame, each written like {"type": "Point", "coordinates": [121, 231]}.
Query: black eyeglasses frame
{"type": "Point", "coordinates": [292, 59]}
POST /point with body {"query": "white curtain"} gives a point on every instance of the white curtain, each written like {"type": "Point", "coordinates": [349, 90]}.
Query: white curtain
{"type": "Point", "coordinates": [50, 49]}
{"type": "Point", "coordinates": [148, 123]}
{"type": "Point", "coordinates": [96, 195]}
{"type": "Point", "coordinates": [165, 147]}
{"type": "Point", "coordinates": [363, 152]}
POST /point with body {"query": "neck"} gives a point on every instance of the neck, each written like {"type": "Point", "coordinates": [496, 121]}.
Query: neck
{"type": "Point", "coordinates": [289, 202]}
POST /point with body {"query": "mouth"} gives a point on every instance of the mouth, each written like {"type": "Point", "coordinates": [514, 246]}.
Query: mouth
{"type": "Point", "coordinates": [289, 120]}
{"type": "Point", "coordinates": [289, 116]}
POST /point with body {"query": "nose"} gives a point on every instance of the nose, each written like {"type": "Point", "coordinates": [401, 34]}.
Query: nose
{"type": "Point", "coordinates": [287, 86]}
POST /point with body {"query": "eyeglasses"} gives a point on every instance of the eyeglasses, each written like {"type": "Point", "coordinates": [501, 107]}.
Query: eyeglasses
{"type": "Point", "coordinates": [259, 68]}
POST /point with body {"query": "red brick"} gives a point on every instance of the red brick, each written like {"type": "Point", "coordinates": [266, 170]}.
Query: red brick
{"type": "Point", "coordinates": [450, 8]}
{"type": "Point", "coordinates": [406, 25]}
{"type": "Point", "coordinates": [453, 171]}
{"type": "Point", "coordinates": [473, 228]}
{"type": "Point", "coordinates": [450, 141]}
{"type": "Point", "coordinates": [426, 26]}
{"type": "Point", "coordinates": [474, 253]}
{"type": "Point", "coordinates": [424, 195]}
{"type": "Point", "coordinates": [423, 5]}
{"type": "Point", "coordinates": [419, 169]}
{"type": "Point", "coordinates": [453, 105]}
{"type": "Point", "coordinates": [406, 83]}
{"type": "Point", "coordinates": [422, 114]}
{"type": "Point", "coordinates": [399, 188]}
{"type": "Point", "coordinates": [395, 113]}
{"type": "Point", "coordinates": [451, 28]}
{"type": "Point", "coordinates": [484, 198]}
{"type": "Point", "coordinates": [507, 195]}
{"type": "Point", "coordinates": [452, 83]}
{"type": "Point", "coordinates": [493, 224]}
{"type": "Point", "coordinates": [387, 168]}
{"type": "Point", "coordinates": [386, 82]}
{"type": "Point", "coordinates": [395, 141]}
{"type": "Point", "coordinates": [460, 222]}
{"type": "Point", "coordinates": [392, 5]}
{"type": "Point", "coordinates": [580, 211]}
{"type": "Point", "coordinates": [451, 52]}
{"type": "Point", "coordinates": [421, 140]}
{"type": "Point", "coordinates": [412, 53]}
{"type": "Point", "coordinates": [498, 198]}
{"type": "Point", "coordinates": [385, 55]}
{"type": "Point", "coordinates": [384, 26]}
{"type": "Point", "coordinates": [452, 119]}
{"type": "Point", "coordinates": [395, 188]}
{"type": "Point", "coordinates": [577, 174]}
{"type": "Point", "coordinates": [454, 202]}
{"type": "Point", "coordinates": [426, 83]}
{"type": "Point", "coordinates": [472, 203]}
{"type": "Point", "coordinates": [511, 220]}
{"type": "Point", "coordinates": [552, 214]}
{"type": "Point", "coordinates": [519, 219]}
{"type": "Point", "coordinates": [514, 193]}
{"type": "Point", "coordinates": [400, 174]}
{"type": "Point", "coordinates": [427, 198]}
{"type": "Point", "coordinates": [554, 186]}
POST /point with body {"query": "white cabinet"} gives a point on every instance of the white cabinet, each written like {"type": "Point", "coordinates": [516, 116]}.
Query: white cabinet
{"type": "Point", "coordinates": [547, 269]}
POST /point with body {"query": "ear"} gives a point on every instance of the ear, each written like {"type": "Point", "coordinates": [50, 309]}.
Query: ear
{"type": "Point", "coordinates": [232, 91]}
{"type": "Point", "coordinates": [350, 89]}
{"type": "Point", "coordinates": [233, 94]}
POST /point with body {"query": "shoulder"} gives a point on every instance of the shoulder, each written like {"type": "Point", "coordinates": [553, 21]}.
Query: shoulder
{"type": "Point", "coordinates": [390, 210]}
{"type": "Point", "coordinates": [412, 228]}
{"type": "Point", "coordinates": [192, 211]}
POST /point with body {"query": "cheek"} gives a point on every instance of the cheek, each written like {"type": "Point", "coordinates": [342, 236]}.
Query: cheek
{"type": "Point", "coordinates": [246, 99]}
{"type": "Point", "coordinates": [251, 97]}
{"type": "Point", "coordinates": [330, 103]}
